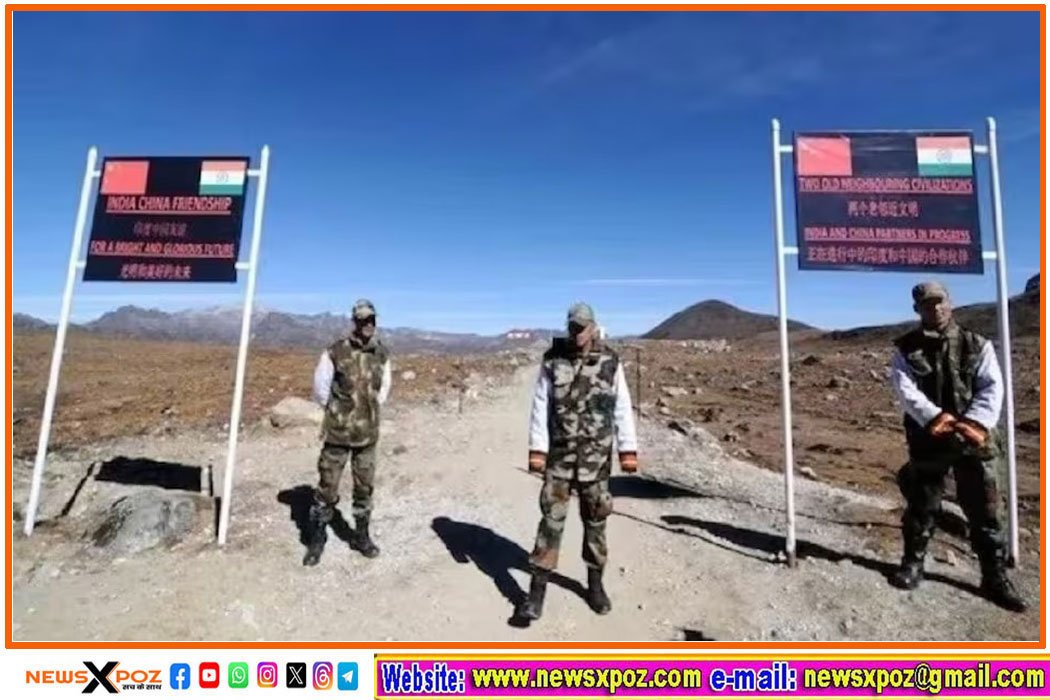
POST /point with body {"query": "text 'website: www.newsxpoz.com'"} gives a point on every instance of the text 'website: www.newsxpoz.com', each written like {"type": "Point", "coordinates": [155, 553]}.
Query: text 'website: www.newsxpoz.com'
{"type": "Point", "coordinates": [779, 677]}
{"type": "Point", "coordinates": [929, 679]}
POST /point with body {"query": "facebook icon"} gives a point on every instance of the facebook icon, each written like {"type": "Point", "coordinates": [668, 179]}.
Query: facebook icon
{"type": "Point", "coordinates": [180, 676]}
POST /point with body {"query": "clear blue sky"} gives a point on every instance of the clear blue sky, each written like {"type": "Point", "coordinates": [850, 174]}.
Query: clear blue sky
{"type": "Point", "coordinates": [478, 171]}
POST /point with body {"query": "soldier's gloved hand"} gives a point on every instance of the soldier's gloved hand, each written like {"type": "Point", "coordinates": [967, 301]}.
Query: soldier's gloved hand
{"type": "Point", "coordinates": [537, 461]}
{"type": "Point", "coordinates": [629, 462]}
{"type": "Point", "coordinates": [942, 425]}
{"type": "Point", "coordinates": [971, 431]}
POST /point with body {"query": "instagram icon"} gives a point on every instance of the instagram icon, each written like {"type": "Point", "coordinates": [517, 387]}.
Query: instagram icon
{"type": "Point", "coordinates": [323, 675]}
{"type": "Point", "coordinates": [267, 674]}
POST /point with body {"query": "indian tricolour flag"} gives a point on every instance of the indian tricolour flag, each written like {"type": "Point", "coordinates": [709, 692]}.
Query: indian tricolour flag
{"type": "Point", "coordinates": [944, 156]}
{"type": "Point", "coordinates": [222, 177]}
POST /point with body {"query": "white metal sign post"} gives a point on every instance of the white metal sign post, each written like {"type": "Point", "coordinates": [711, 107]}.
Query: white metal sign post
{"type": "Point", "coordinates": [75, 264]}
{"type": "Point", "coordinates": [1003, 299]}
{"type": "Point", "coordinates": [785, 359]}
{"type": "Point", "coordinates": [999, 255]}
{"type": "Point", "coordinates": [60, 340]}
{"type": "Point", "coordinates": [242, 352]}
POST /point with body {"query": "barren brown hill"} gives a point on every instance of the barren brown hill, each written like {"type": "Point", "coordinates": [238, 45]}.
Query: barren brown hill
{"type": "Point", "coordinates": [115, 387]}
{"type": "Point", "coordinates": [714, 319]}
{"type": "Point", "coordinates": [25, 322]}
{"type": "Point", "coordinates": [983, 318]}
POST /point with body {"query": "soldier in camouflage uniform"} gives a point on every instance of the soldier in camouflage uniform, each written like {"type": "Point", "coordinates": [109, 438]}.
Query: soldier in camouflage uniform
{"type": "Point", "coordinates": [352, 381]}
{"type": "Point", "coordinates": [950, 388]}
{"type": "Point", "coordinates": [580, 405]}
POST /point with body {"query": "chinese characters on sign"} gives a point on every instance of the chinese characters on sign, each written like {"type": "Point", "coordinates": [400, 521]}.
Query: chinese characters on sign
{"type": "Point", "coordinates": [897, 201]}
{"type": "Point", "coordinates": [168, 219]}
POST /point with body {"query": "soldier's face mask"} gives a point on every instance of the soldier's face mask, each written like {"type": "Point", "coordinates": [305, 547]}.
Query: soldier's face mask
{"type": "Point", "coordinates": [935, 313]}
{"type": "Point", "coordinates": [582, 334]}
{"type": "Point", "coordinates": [365, 326]}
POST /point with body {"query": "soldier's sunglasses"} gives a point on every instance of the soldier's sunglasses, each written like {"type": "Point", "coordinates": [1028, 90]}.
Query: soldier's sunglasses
{"type": "Point", "coordinates": [367, 321]}
{"type": "Point", "coordinates": [576, 328]}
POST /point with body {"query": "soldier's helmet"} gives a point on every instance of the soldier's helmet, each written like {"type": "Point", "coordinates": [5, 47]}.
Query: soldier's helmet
{"type": "Point", "coordinates": [580, 313]}
{"type": "Point", "coordinates": [928, 291]}
{"type": "Point", "coordinates": [363, 308]}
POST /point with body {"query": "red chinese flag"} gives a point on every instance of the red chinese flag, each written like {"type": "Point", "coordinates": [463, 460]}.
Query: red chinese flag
{"type": "Point", "coordinates": [827, 156]}
{"type": "Point", "coordinates": [125, 177]}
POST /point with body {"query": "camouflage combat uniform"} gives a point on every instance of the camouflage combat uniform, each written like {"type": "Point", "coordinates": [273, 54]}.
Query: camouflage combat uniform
{"type": "Point", "coordinates": [581, 427]}
{"type": "Point", "coordinates": [581, 411]}
{"type": "Point", "coordinates": [954, 372]}
{"type": "Point", "coordinates": [359, 372]}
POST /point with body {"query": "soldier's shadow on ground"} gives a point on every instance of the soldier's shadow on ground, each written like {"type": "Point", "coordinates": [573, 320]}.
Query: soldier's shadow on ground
{"type": "Point", "coordinates": [496, 557]}
{"type": "Point", "coordinates": [771, 544]}
{"type": "Point", "coordinates": [691, 635]}
{"type": "Point", "coordinates": [299, 500]}
{"type": "Point", "coordinates": [634, 486]}
{"type": "Point", "coordinates": [644, 487]}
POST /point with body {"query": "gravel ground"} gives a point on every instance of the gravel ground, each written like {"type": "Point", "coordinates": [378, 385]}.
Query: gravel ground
{"type": "Point", "coordinates": [694, 545]}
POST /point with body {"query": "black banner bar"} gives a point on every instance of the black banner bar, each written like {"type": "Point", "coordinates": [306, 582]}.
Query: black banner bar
{"type": "Point", "coordinates": [168, 219]}
{"type": "Point", "coordinates": [887, 201]}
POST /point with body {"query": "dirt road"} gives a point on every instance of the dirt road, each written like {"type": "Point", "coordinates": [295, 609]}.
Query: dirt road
{"type": "Point", "coordinates": [693, 549]}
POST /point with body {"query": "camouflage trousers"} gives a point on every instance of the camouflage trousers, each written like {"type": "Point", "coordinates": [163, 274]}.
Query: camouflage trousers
{"type": "Point", "coordinates": [596, 504]}
{"type": "Point", "coordinates": [922, 482]}
{"type": "Point", "coordinates": [330, 466]}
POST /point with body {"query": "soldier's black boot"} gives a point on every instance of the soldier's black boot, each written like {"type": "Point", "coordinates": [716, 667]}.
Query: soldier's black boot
{"type": "Point", "coordinates": [909, 575]}
{"type": "Point", "coordinates": [532, 607]}
{"type": "Point", "coordinates": [996, 587]}
{"type": "Point", "coordinates": [362, 540]}
{"type": "Point", "coordinates": [596, 596]}
{"type": "Point", "coordinates": [319, 517]}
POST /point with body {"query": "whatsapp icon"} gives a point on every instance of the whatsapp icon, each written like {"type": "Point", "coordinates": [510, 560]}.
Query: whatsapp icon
{"type": "Point", "coordinates": [238, 675]}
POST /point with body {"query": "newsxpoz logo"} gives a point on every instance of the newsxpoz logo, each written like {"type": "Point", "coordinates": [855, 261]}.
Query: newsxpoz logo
{"type": "Point", "coordinates": [110, 678]}
{"type": "Point", "coordinates": [101, 678]}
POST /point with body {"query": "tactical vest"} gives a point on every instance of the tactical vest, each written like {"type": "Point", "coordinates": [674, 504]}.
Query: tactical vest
{"type": "Point", "coordinates": [944, 367]}
{"type": "Point", "coordinates": [352, 412]}
{"type": "Point", "coordinates": [581, 417]}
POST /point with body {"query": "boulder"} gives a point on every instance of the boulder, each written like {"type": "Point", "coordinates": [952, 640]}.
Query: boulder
{"type": "Point", "coordinates": [293, 412]}
{"type": "Point", "coordinates": [145, 520]}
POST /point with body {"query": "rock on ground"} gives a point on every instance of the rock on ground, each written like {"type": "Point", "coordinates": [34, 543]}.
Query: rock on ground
{"type": "Point", "coordinates": [294, 412]}
{"type": "Point", "coordinates": [144, 520]}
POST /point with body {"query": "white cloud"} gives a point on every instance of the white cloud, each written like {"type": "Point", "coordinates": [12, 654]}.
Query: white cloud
{"type": "Point", "coordinates": [667, 282]}
{"type": "Point", "coordinates": [1018, 125]}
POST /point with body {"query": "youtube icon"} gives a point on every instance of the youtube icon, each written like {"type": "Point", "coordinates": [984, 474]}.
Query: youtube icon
{"type": "Point", "coordinates": [209, 674]}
